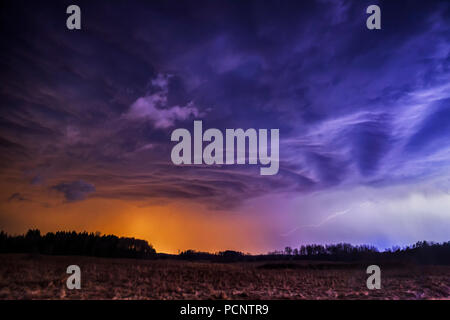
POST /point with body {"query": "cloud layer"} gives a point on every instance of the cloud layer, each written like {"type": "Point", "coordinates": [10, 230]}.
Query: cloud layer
{"type": "Point", "coordinates": [355, 108]}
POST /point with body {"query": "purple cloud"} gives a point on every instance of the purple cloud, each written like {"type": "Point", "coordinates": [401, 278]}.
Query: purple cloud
{"type": "Point", "coordinates": [355, 108]}
{"type": "Point", "coordinates": [154, 106]}
{"type": "Point", "coordinates": [75, 190]}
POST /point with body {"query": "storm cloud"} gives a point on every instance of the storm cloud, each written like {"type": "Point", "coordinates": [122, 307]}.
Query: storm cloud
{"type": "Point", "coordinates": [355, 107]}
{"type": "Point", "coordinates": [74, 190]}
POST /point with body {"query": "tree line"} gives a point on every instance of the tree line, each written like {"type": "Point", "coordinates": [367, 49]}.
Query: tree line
{"type": "Point", "coordinates": [422, 252]}
{"type": "Point", "coordinates": [95, 244]}
{"type": "Point", "coordinates": [73, 243]}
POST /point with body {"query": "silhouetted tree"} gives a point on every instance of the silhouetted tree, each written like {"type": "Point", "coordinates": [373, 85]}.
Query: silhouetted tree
{"type": "Point", "coordinates": [90, 244]}
{"type": "Point", "coordinates": [73, 243]}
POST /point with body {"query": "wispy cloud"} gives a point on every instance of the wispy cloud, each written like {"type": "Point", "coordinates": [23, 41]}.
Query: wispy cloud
{"type": "Point", "coordinates": [154, 106]}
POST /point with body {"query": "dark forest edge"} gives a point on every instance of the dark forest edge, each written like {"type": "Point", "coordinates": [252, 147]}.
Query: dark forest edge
{"type": "Point", "coordinates": [111, 246]}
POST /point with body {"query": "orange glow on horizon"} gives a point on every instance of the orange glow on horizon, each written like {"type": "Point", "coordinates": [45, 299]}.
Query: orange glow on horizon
{"type": "Point", "coordinates": [169, 228]}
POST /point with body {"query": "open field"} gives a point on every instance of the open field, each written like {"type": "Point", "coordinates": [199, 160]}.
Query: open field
{"type": "Point", "coordinates": [44, 277]}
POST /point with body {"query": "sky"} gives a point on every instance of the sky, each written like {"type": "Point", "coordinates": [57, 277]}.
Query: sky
{"type": "Point", "coordinates": [86, 118]}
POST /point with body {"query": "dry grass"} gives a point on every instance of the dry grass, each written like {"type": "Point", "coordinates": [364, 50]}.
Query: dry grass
{"type": "Point", "coordinates": [44, 277]}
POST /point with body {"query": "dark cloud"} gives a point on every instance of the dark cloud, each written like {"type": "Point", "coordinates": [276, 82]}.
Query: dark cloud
{"type": "Point", "coordinates": [37, 180]}
{"type": "Point", "coordinates": [17, 197]}
{"type": "Point", "coordinates": [75, 190]}
{"type": "Point", "coordinates": [371, 141]}
{"type": "Point", "coordinates": [98, 105]}
{"type": "Point", "coordinates": [434, 131]}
